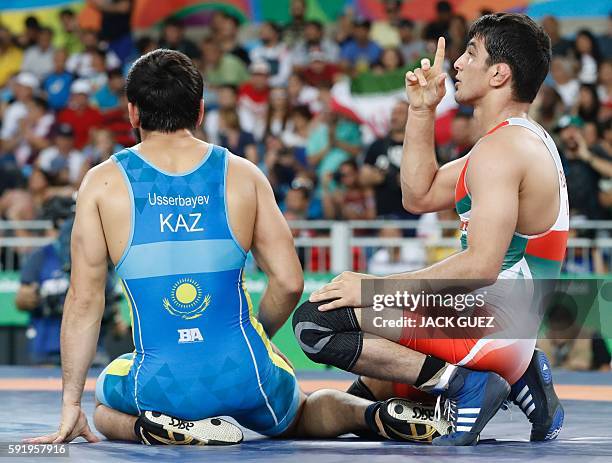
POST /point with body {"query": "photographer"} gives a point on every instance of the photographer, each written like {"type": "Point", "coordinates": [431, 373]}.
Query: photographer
{"type": "Point", "coordinates": [351, 200]}
{"type": "Point", "coordinates": [45, 279]}
{"type": "Point", "coordinates": [44, 284]}
{"type": "Point", "coordinates": [585, 167]}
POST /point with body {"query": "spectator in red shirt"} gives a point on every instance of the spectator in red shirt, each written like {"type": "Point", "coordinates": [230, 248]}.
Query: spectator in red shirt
{"type": "Point", "coordinates": [79, 114]}
{"type": "Point", "coordinates": [253, 99]}
{"type": "Point", "coordinates": [319, 71]}
{"type": "Point", "coordinates": [118, 122]}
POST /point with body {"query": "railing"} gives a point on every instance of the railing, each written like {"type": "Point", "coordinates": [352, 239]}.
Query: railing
{"type": "Point", "coordinates": [330, 246]}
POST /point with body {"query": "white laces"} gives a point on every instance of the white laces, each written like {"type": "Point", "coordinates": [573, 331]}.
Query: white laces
{"type": "Point", "coordinates": [449, 406]}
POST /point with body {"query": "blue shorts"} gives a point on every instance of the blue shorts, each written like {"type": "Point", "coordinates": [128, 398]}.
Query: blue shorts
{"type": "Point", "coordinates": [265, 400]}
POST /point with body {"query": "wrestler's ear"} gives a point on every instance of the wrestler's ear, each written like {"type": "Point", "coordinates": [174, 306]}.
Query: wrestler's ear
{"type": "Point", "coordinates": [201, 113]}
{"type": "Point", "coordinates": [134, 115]}
{"type": "Point", "coordinates": [500, 74]}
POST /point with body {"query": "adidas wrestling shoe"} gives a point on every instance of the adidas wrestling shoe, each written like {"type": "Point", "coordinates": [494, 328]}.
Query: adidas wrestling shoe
{"type": "Point", "coordinates": [404, 420]}
{"type": "Point", "coordinates": [154, 428]}
{"type": "Point", "coordinates": [471, 399]}
{"type": "Point", "coordinates": [535, 395]}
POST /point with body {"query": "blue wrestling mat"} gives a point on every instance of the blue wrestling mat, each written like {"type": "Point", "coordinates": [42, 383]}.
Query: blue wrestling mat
{"type": "Point", "coordinates": [586, 436]}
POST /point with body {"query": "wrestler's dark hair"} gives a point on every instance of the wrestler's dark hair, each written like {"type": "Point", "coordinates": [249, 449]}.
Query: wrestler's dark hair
{"type": "Point", "coordinates": [518, 41]}
{"type": "Point", "coordinates": [167, 89]}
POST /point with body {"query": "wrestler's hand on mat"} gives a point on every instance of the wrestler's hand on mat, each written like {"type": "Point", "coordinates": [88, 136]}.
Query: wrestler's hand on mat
{"type": "Point", "coordinates": [74, 424]}
{"type": "Point", "coordinates": [345, 289]}
{"type": "Point", "coordinates": [425, 86]}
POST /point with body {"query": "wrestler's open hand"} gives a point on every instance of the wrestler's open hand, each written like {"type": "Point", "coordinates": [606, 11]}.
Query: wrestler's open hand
{"type": "Point", "coordinates": [74, 424]}
{"type": "Point", "coordinates": [425, 85]}
{"type": "Point", "coordinates": [345, 289]}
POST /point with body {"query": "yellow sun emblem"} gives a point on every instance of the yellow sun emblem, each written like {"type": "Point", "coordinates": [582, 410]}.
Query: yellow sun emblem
{"type": "Point", "coordinates": [188, 300]}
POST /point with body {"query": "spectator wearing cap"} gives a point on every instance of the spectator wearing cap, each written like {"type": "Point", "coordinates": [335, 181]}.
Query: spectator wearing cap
{"type": "Point", "coordinates": [585, 166]}
{"type": "Point", "coordinates": [79, 114]}
{"type": "Point", "coordinates": [67, 35]}
{"type": "Point", "coordinates": [63, 154]}
{"type": "Point", "coordinates": [81, 64]}
{"type": "Point", "coordinates": [319, 71]}
{"type": "Point", "coordinates": [360, 52]}
{"type": "Point", "coordinates": [57, 84]}
{"type": "Point", "coordinates": [253, 98]}
{"type": "Point", "coordinates": [24, 86]}
{"type": "Point", "coordinates": [273, 52]}
{"type": "Point", "coordinates": [221, 68]}
{"type": "Point", "coordinates": [314, 39]}
{"type": "Point", "coordinates": [107, 97]}
{"type": "Point", "coordinates": [173, 37]}
{"type": "Point", "coordinates": [11, 56]}
{"type": "Point", "coordinates": [38, 58]}
{"type": "Point", "coordinates": [385, 32]}
{"type": "Point", "coordinates": [411, 47]}
{"type": "Point", "coordinates": [34, 131]}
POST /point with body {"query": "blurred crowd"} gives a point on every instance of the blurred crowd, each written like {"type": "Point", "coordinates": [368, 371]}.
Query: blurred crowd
{"type": "Point", "coordinates": [269, 99]}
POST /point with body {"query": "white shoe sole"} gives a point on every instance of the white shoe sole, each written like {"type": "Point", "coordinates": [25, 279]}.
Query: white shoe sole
{"type": "Point", "coordinates": [210, 431]}
{"type": "Point", "coordinates": [417, 413]}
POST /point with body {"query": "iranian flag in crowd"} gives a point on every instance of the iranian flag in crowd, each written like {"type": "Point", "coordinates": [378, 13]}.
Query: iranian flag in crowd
{"type": "Point", "coordinates": [369, 98]}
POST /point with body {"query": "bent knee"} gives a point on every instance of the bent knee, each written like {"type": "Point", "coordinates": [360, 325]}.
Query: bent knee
{"type": "Point", "coordinates": [331, 338]}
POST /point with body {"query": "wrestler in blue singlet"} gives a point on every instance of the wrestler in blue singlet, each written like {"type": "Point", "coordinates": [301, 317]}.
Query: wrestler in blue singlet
{"type": "Point", "coordinates": [200, 352]}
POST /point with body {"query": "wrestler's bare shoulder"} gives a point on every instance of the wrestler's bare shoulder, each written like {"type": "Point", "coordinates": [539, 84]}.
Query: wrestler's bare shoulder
{"type": "Point", "coordinates": [102, 181]}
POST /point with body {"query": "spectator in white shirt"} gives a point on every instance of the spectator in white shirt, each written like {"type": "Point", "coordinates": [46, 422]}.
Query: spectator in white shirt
{"type": "Point", "coordinates": [24, 86]}
{"type": "Point", "coordinates": [275, 53]}
{"type": "Point", "coordinates": [34, 130]}
{"type": "Point", "coordinates": [81, 64]}
{"type": "Point", "coordinates": [566, 84]}
{"type": "Point", "coordinates": [397, 259]}
{"type": "Point", "coordinates": [38, 59]}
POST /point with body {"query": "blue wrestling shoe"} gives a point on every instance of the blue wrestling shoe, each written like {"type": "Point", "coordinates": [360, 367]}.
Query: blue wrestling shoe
{"type": "Point", "coordinates": [535, 395]}
{"type": "Point", "coordinates": [472, 398]}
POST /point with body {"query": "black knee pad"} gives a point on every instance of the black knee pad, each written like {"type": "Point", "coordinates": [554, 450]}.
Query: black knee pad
{"type": "Point", "coordinates": [359, 389]}
{"type": "Point", "coordinates": [332, 338]}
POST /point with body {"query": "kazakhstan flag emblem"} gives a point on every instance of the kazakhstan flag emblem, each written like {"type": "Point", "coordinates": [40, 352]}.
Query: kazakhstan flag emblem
{"type": "Point", "coordinates": [186, 299]}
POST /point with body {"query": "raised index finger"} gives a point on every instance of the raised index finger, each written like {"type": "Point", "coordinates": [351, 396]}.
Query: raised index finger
{"type": "Point", "coordinates": [439, 58]}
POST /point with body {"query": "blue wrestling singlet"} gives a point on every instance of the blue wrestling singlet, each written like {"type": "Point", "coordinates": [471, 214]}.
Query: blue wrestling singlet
{"type": "Point", "coordinates": [199, 351]}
